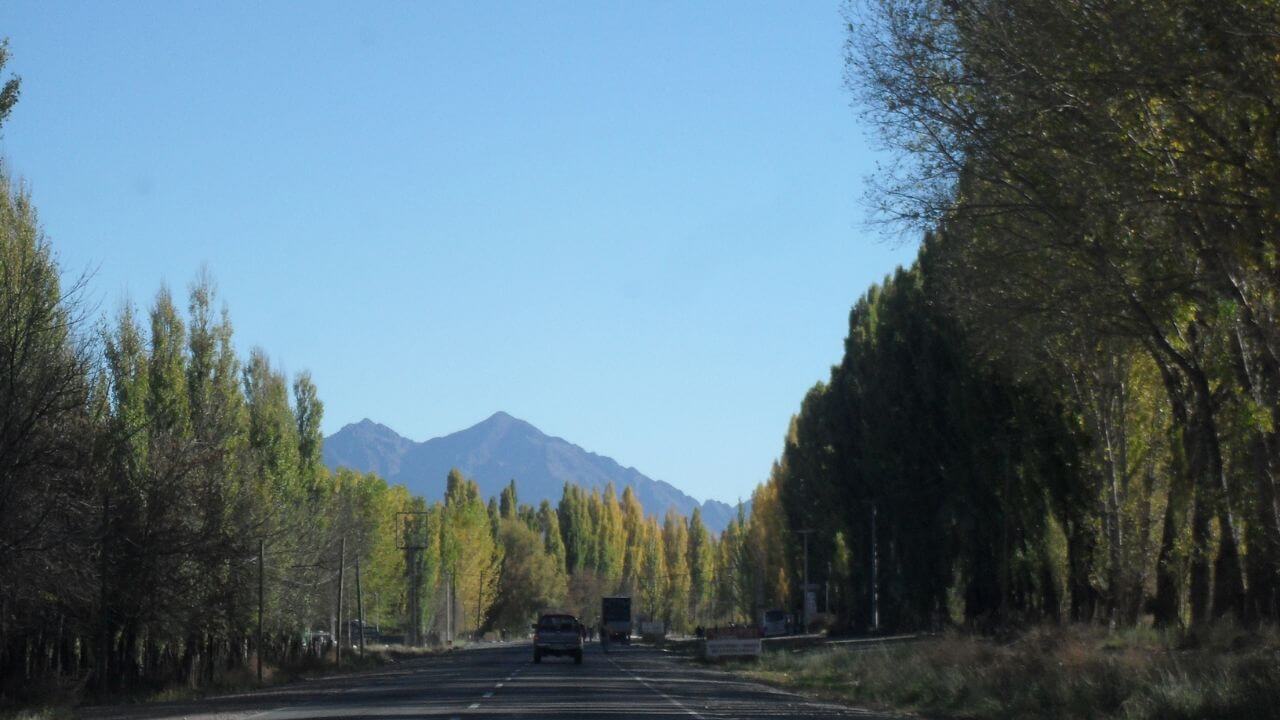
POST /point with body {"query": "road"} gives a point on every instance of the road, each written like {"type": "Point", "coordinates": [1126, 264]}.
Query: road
{"type": "Point", "coordinates": [503, 682]}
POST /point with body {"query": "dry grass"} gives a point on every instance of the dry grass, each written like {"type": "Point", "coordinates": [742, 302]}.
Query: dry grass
{"type": "Point", "coordinates": [1079, 672]}
{"type": "Point", "coordinates": [50, 712]}
{"type": "Point", "coordinates": [56, 699]}
{"type": "Point", "coordinates": [244, 679]}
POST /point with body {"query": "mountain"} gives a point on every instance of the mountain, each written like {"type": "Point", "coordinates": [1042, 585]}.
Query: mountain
{"type": "Point", "coordinates": [495, 451]}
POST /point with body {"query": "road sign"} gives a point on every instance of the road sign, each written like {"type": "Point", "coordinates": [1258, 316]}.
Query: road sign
{"type": "Point", "coordinates": [730, 647]}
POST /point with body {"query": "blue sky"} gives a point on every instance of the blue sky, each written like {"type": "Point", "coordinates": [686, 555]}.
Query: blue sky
{"type": "Point", "coordinates": [639, 226]}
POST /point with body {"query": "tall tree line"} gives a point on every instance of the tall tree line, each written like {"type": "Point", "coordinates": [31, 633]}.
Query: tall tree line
{"type": "Point", "coordinates": [503, 562]}
{"type": "Point", "coordinates": [1067, 409]}
{"type": "Point", "coordinates": [143, 464]}
{"type": "Point", "coordinates": [152, 480]}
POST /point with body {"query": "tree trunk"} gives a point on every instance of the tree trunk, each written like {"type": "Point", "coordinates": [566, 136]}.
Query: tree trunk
{"type": "Point", "coordinates": [1083, 596]}
{"type": "Point", "coordinates": [1167, 604]}
{"type": "Point", "coordinates": [1255, 373]}
{"type": "Point", "coordinates": [1208, 469]}
{"type": "Point", "coordinates": [1200, 593]}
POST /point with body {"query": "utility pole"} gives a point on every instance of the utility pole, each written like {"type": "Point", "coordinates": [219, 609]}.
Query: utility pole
{"type": "Point", "coordinates": [826, 600]}
{"type": "Point", "coordinates": [412, 539]}
{"type": "Point", "coordinates": [479, 599]}
{"type": "Point", "coordinates": [448, 611]}
{"type": "Point", "coordinates": [261, 583]}
{"type": "Point", "coordinates": [875, 573]}
{"type": "Point", "coordinates": [342, 563]}
{"type": "Point", "coordinates": [411, 628]}
{"type": "Point", "coordinates": [804, 591]}
{"type": "Point", "coordinates": [104, 629]}
{"type": "Point", "coordinates": [359, 606]}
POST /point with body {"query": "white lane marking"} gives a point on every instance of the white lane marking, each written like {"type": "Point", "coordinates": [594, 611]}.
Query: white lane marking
{"type": "Point", "coordinates": [645, 683]}
{"type": "Point", "coordinates": [488, 694]}
{"type": "Point", "coordinates": [473, 706]}
{"type": "Point", "coordinates": [498, 685]}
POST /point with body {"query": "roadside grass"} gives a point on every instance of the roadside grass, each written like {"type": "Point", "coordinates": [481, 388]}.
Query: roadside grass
{"type": "Point", "coordinates": [245, 679]}
{"type": "Point", "coordinates": [58, 701]}
{"type": "Point", "coordinates": [46, 712]}
{"type": "Point", "coordinates": [1057, 673]}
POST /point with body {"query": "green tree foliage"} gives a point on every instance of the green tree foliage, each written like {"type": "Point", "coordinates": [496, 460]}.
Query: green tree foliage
{"type": "Point", "coordinates": [651, 577]}
{"type": "Point", "coordinates": [137, 486]}
{"type": "Point", "coordinates": [633, 542]}
{"type": "Point", "coordinates": [50, 411]}
{"type": "Point", "coordinates": [1068, 407]}
{"type": "Point", "coordinates": [309, 412]}
{"type": "Point", "coordinates": [508, 503]}
{"type": "Point", "coordinates": [768, 544]}
{"type": "Point", "coordinates": [143, 469]}
{"type": "Point", "coordinates": [420, 536]}
{"type": "Point", "coordinates": [702, 567]}
{"type": "Point", "coordinates": [675, 543]}
{"type": "Point", "coordinates": [553, 541]}
{"type": "Point", "coordinates": [611, 534]}
{"type": "Point", "coordinates": [529, 580]}
{"type": "Point", "coordinates": [12, 87]}
{"type": "Point", "coordinates": [1098, 180]}
{"type": "Point", "coordinates": [967, 501]}
{"type": "Point", "coordinates": [577, 533]}
{"type": "Point", "coordinates": [470, 553]}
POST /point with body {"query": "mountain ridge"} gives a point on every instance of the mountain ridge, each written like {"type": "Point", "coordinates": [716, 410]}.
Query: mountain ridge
{"type": "Point", "coordinates": [496, 450]}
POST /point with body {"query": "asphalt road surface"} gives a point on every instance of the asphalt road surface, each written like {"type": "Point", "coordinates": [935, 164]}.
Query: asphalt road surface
{"type": "Point", "coordinates": [503, 682]}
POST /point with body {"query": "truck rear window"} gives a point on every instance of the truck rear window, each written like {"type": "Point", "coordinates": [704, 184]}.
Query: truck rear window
{"type": "Point", "coordinates": [558, 623]}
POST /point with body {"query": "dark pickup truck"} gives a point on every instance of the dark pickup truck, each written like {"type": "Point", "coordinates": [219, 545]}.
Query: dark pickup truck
{"type": "Point", "coordinates": [557, 635]}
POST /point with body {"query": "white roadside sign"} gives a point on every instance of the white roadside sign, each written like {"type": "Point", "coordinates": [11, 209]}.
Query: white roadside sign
{"type": "Point", "coordinates": [731, 647]}
{"type": "Point", "coordinates": [652, 628]}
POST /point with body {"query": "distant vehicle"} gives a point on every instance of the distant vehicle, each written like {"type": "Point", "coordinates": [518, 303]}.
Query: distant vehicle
{"type": "Point", "coordinates": [652, 630]}
{"type": "Point", "coordinates": [317, 642]}
{"type": "Point", "coordinates": [615, 617]}
{"type": "Point", "coordinates": [774, 623]}
{"type": "Point", "coordinates": [372, 633]}
{"type": "Point", "coordinates": [556, 634]}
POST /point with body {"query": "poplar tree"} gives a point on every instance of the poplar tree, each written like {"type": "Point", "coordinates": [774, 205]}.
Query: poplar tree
{"type": "Point", "coordinates": [675, 543]}
{"type": "Point", "coordinates": [701, 559]}
{"type": "Point", "coordinates": [633, 525]}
